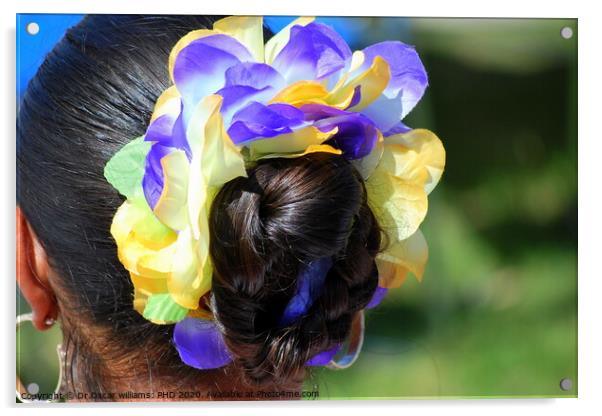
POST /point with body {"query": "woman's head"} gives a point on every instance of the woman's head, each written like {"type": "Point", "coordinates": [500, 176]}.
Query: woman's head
{"type": "Point", "coordinates": [92, 95]}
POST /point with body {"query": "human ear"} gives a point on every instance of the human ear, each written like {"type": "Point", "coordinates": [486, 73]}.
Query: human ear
{"type": "Point", "coordinates": [33, 273]}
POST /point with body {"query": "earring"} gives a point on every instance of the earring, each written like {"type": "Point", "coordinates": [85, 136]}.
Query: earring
{"type": "Point", "coordinates": [356, 340]}
{"type": "Point", "coordinates": [24, 394]}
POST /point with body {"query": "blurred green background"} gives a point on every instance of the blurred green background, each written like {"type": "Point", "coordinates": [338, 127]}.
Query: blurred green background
{"type": "Point", "coordinates": [496, 313]}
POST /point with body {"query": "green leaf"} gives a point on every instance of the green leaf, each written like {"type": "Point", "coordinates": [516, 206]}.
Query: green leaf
{"type": "Point", "coordinates": [163, 309]}
{"type": "Point", "coordinates": [125, 170]}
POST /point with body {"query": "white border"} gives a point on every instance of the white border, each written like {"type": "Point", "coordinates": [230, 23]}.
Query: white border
{"type": "Point", "coordinates": [590, 208]}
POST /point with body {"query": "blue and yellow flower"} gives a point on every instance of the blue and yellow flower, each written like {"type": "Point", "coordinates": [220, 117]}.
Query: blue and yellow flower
{"type": "Point", "coordinates": [235, 100]}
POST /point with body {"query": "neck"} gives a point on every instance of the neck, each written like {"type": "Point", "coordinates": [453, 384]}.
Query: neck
{"type": "Point", "coordinates": [101, 371]}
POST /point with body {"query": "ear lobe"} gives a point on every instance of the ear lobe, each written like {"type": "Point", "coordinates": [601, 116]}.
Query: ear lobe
{"type": "Point", "coordinates": [33, 272]}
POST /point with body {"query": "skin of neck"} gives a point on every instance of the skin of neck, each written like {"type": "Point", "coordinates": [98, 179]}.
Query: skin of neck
{"type": "Point", "coordinates": [97, 368]}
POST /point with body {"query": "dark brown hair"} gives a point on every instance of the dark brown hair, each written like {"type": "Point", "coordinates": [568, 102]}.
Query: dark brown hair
{"type": "Point", "coordinates": [287, 213]}
{"type": "Point", "coordinates": [95, 92]}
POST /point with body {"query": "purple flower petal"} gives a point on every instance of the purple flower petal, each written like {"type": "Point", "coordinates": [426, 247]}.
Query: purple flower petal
{"type": "Point", "coordinates": [314, 51]}
{"type": "Point", "coordinates": [384, 112]}
{"type": "Point", "coordinates": [356, 135]}
{"type": "Point", "coordinates": [168, 133]}
{"type": "Point", "coordinates": [399, 128]}
{"type": "Point", "coordinates": [377, 297]}
{"type": "Point", "coordinates": [259, 121]}
{"type": "Point", "coordinates": [235, 97]}
{"type": "Point", "coordinates": [324, 357]}
{"type": "Point", "coordinates": [200, 344]}
{"type": "Point", "coordinates": [168, 130]}
{"type": "Point", "coordinates": [343, 49]}
{"type": "Point", "coordinates": [159, 130]}
{"type": "Point", "coordinates": [152, 182]}
{"type": "Point", "coordinates": [408, 76]}
{"type": "Point", "coordinates": [245, 82]}
{"type": "Point", "coordinates": [254, 74]}
{"type": "Point", "coordinates": [309, 287]}
{"type": "Point", "coordinates": [200, 68]}
{"type": "Point", "coordinates": [226, 43]}
{"type": "Point", "coordinates": [357, 96]}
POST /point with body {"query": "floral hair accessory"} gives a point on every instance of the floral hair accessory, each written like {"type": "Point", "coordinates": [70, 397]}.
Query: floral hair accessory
{"type": "Point", "coordinates": [235, 100]}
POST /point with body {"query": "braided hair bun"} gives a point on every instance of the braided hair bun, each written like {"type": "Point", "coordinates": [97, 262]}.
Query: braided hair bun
{"type": "Point", "coordinates": [264, 229]}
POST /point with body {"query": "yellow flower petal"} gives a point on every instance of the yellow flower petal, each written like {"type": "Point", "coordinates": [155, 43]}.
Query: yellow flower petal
{"type": "Point", "coordinates": [138, 252]}
{"type": "Point", "coordinates": [312, 92]}
{"type": "Point", "coordinates": [428, 162]}
{"type": "Point", "coordinates": [280, 39]}
{"type": "Point", "coordinates": [248, 30]}
{"type": "Point", "coordinates": [143, 260]}
{"type": "Point", "coordinates": [205, 268]}
{"type": "Point", "coordinates": [215, 158]}
{"type": "Point", "coordinates": [222, 160]}
{"type": "Point", "coordinates": [140, 298]}
{"type": "Point", "coordinates": [294, 142]}
{"type": "Point", "coordinates": [302, 92]}
{"type": "Point", "coordinates": [129, 249]}
{"type": "Point", "coordinates": [123, 222]}
{"type": "Point", "coordinates": [148, 285]}
{"type": "Point", "coordinates": [167, 103]}
{"type": "Point", "coordinates": [197, 193]}
{"type": "Point", "coordinates": [135, 217]}
{"type": "Point", "coordinates": [397, 197]}
{"type": "Point", "coordinates": [172, 208]}
{"type": "Point", "coordinates": [401, 257]}
{"type": "Point", "coordinates": [357, 59]}
{"type": "Point", "coordinates": [400, 205]}
{"type": "Point", "coordinates": [185, 41]}
{"type": "Point", "coordinates": [312, 148]}
{"type": "Point", "coordinates": [372, 82]}
{"type": "Point", "coordinates": [390, 275]}
{"type": "Point", "coordinates": [156, 264]}
{"type": "Point", "coordinates": [410, 167]}
{"type": "Point", "coordinates": [186, 282]}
